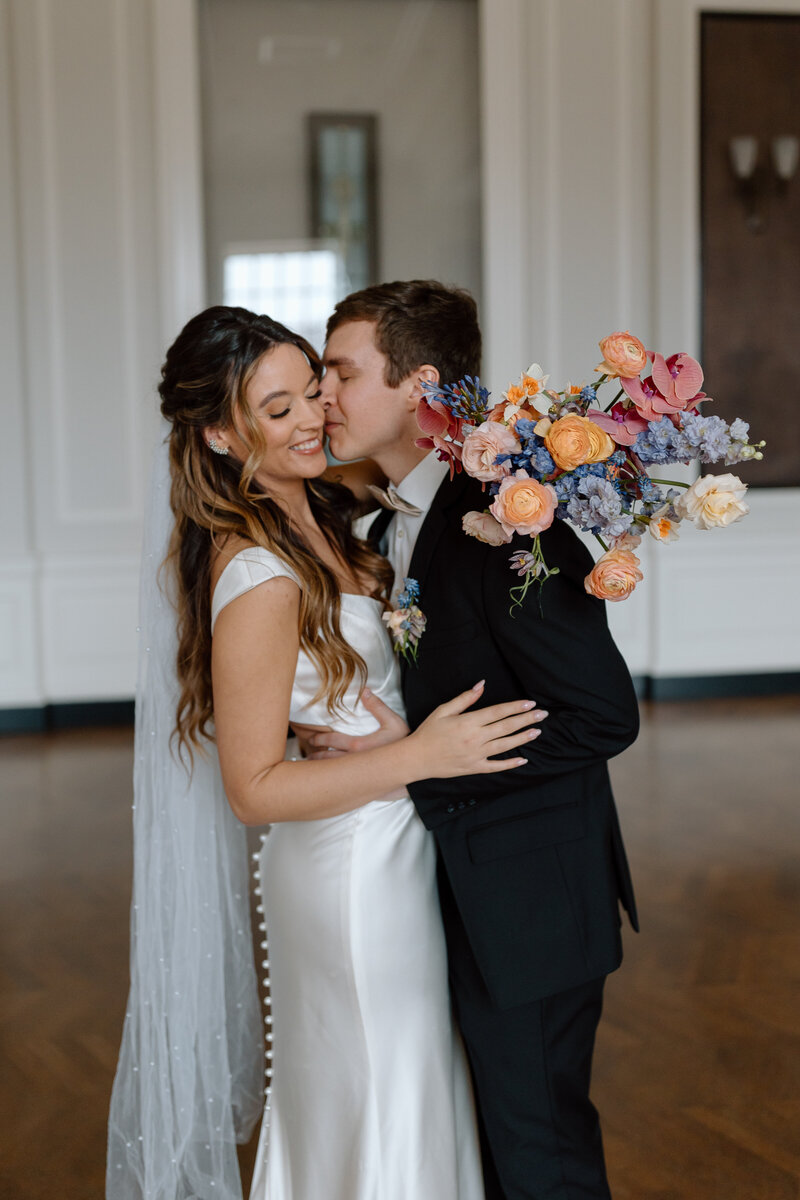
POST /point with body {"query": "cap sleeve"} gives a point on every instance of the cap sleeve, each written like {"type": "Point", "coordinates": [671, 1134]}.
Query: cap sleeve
{"type": "Point", "coordinates": [247, 570]}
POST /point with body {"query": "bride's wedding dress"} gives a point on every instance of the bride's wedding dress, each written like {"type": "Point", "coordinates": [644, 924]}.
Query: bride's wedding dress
{"type": "Point", "coordinates": [369, 1097]}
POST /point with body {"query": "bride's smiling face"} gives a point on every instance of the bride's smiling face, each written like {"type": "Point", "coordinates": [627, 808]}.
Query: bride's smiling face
{"type": "Point", "coordinates": [283, 400]}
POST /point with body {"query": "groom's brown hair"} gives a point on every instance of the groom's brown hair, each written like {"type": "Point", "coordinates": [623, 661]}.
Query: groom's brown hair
{"type": "Point", "coordinates": [417, 321]}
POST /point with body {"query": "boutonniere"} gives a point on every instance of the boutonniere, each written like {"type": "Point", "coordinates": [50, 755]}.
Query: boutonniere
{"type": "Point", "coordinates": [407, 622]}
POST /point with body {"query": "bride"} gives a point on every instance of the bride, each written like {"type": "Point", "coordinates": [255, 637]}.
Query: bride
{"type": "Point", "coordinates": [279, 613]}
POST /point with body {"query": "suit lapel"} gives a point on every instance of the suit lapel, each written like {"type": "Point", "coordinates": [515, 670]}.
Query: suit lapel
{"type": "Point", "coordinates": [433, 527]}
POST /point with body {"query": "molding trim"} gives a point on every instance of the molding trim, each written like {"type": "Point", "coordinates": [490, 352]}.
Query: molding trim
{"type": "Point", "coordinates": [718, 687]}
{"type": "Point", "coordinates": [97, 714]}
{"type": "Point", "coordinates": [50, 717]}
{"type": "Point", "coordinates": [179, 166]}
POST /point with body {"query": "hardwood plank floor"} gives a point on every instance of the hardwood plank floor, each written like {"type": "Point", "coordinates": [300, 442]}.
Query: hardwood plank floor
{"type": "Point", "coordinates": [697, 1071]}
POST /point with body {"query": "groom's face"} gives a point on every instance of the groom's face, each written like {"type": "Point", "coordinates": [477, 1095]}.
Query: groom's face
{"type": "Point", "coordinates": [363, 414]}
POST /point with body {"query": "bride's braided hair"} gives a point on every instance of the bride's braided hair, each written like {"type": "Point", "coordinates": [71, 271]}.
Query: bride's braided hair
{"type": "Point", "coordinates": [213, 497]}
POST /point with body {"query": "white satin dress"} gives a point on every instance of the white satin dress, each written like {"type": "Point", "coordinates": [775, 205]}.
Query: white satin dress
{"type": "Point", "coordinates": [370, 1098]}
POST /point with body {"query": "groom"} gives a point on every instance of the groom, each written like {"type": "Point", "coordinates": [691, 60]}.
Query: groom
{"type": "Point", "coordinates": [531, 862]}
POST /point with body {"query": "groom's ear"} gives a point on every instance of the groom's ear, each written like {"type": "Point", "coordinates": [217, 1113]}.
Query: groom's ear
{"type": "Point", "coordinates": [424, 374]}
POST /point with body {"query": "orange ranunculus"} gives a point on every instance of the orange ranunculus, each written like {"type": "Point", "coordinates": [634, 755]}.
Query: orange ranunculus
{"type": "Point", "coordinates": [614, 575]}
{"type": "Point", "coordinates": [573, 440]}
{"type": "Point", "coordinates": [623, 355]}
{"type": "Point", "coordinates": [523, 505]}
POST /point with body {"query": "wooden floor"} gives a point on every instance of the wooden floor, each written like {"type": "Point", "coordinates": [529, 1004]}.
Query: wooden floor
{"type": "Point", "coordinates": [697, 1071]}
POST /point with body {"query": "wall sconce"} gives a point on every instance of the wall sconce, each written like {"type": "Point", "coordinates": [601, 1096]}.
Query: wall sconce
{"type": "Point", "coordinates": [785, 155]}
{"type": "Point", "coordinates": [753, 178]}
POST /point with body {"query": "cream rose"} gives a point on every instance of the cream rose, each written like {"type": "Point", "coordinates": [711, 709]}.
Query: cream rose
{"type": "Point", "coordinates": [394, 620]}
{"type": "Point", "coordinates": [524, 505]}
{"type": "Point", "coordinates": [614, 575]}
{"type": "Point", "coordinates": [713, 501]}
{"type": "Point", "coordinates": [573, 440]}
{"type": "Point", "coordinates": [481, 448]}
{"type": "Point", "coordinates": [484, 527]}
{"type": "Point", "coordinates": [623, 355]}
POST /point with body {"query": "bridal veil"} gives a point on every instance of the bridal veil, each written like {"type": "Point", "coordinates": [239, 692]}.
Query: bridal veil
{"type": "Point", "coordinates": [189, 1082]}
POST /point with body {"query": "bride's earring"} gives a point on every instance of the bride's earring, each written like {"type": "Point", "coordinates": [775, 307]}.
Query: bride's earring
{"type": "Point", "coordinates": [214, 445]}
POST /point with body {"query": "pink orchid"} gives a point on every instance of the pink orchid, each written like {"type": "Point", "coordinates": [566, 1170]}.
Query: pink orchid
{"type": "Point", "coordinates": [671, 389]}
{"type": "Point", "coordinates": [678, 378]}
{"type": "Point", "coordinates": [621, 422]}
{"type": "Point", "coordinates": [439, 423]}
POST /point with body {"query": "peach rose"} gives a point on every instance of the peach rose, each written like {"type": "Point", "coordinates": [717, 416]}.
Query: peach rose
{"type": "Point", "coordinates": [481, 448]}
{"type": "Point", "coordinates": [714, 501]}
{"type": "Point", "coordinates": [524, 505]}
{"type": "Point", "coordinates": [614, 575]}
{"type": "Point", "coordinates": [623, 355]}
{"type": "Point", "coordinates": [573, 440]}
{"type": "Point", "coordinates": [485, 528]}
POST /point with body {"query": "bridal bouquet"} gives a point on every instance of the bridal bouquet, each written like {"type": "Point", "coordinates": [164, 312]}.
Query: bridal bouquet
{"type": "Point", "coordinates": [547, 454]}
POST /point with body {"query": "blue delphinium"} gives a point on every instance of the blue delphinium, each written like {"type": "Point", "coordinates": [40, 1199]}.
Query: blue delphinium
{"type": "Point", "coordinates": [661, 442]}
{"type": "Point", "coordinates": [708, 437]}
{"type": "Point", "coordinates": [597, 507]}
{"type": "Point", "coordinates": [533, 456]}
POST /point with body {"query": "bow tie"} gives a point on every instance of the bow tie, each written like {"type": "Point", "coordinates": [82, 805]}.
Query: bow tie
{"type": "Point", "coordinates": [389, 498]}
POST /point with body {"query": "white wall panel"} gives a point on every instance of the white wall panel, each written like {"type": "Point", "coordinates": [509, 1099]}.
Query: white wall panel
{"type": "Point", "coordinates": [746, 579]}
{"type": "Point", "coordinates": [596, 139]}
{"type": "Point", "coordinates": [14, 478]}
{"type": "Point", "coordinates": [727, 598]}
{"type": "Point", "coordinates": [20, 670]}
{"type": "Point", "coordinates": [80, 307]}
{"type": "Point", "coordinates": [89, 618]}
{"type": "Point", "coordinates": [85, 175]}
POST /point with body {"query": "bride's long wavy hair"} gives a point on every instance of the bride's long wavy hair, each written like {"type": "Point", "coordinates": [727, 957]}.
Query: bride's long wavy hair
{"type": "Point", "coordinates": [214, 497]}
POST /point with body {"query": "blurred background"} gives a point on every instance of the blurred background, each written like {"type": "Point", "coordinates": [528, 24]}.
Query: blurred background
{"type": "Point", "coordinates": [582, 166]}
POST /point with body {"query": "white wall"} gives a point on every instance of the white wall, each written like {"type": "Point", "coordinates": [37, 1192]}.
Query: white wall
{"type": "Point", "coordinates": [411, 62]}
{"type": "Point", "coordinates": [591, 223]}
{"type": "Point", "coordinates": [80, 307]}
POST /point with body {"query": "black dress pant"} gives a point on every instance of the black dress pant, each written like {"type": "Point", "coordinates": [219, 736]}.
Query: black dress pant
{"type": "Point", "coordinates": [531, 1066]}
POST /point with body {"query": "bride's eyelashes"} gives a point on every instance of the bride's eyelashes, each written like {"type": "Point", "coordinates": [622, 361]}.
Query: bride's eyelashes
{"type": "Point", "coordinates": [286, 411]}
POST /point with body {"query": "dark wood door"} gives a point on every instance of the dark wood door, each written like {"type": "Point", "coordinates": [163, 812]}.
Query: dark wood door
{"type": "Point", "coordinates": [751, 276]}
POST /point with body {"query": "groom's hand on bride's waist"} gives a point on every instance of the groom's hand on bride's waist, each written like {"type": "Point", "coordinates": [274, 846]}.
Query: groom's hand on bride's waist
{"type": "Point", "coordinates": [320, 742]}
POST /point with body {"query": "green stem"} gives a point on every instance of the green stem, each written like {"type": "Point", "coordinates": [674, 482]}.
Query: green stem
{"type": "Point", "coordinates": [621, 392]}
{"type": "Point", "coordinates": [670, 482]}
{"type": "Point", "coordinates": [602, 543]}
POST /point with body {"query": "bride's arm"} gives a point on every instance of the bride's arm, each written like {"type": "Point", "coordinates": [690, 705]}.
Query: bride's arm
{"type": "Point", "coordinates": [254, 658]}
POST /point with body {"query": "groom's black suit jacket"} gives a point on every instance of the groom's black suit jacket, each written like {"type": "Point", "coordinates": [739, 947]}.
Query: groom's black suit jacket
{"type": "Point", "coordinates": [534, 855]}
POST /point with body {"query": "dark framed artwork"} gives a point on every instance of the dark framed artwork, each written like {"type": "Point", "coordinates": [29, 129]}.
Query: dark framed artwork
{"type": "Point", "coordinates": [343, 169]}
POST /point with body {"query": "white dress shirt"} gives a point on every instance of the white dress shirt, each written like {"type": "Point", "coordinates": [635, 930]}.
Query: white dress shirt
{"type": "Point", "coordinates": [418, 488]}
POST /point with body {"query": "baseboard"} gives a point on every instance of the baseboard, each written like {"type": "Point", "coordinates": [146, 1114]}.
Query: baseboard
{"type": "Point", "coordinates": [717, 687]}
{"type": "Point", "coordinates": [82, 714]}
